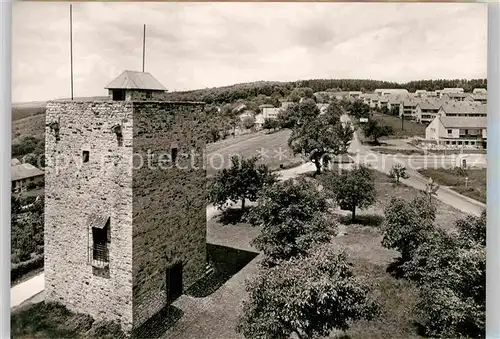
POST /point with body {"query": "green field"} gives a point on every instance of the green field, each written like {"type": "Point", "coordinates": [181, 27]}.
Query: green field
{"type": "Point", "coordinates": [273, 149]}
{"type": "Point", "coordinates": [410, 128]}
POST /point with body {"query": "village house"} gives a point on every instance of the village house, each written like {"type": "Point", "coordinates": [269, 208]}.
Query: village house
{"type": "Point", "coordinates": [394, 101]}
{"type": "Point", "coordinates": [382, 102]}
{"type": "Point", "coordinates": [479, 91]}
{"type": "Point", "coordinates": [457, 96]}
{"type": "Point", "coordinates": [450, 90]}
{"type": "Point", "coordinates": [408, 108]}
{"type": "Point", "coordinates": [420, 93]}
{"type": "Point", "coordinates": [354, 94]}
{"type": "Point", "coordinates": [24, 175]}
{"type": "Point", "coordinates": [457, 132]}
{"type": "Point", "coordinates": [427, 110]}
{"type": "Point", "coordinates": [389, 91]}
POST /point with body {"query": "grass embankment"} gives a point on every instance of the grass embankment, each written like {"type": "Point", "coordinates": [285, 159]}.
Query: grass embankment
{"type": "Point", "coordinates": [455, 179]}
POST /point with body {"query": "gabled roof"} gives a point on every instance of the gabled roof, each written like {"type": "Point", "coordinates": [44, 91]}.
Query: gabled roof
{"type": "Point", "coordinates": [24, 171]}
{"type": "Point", "coordinates": [136, 80]}
{"type": "Point", "coordinates": [458, 122]}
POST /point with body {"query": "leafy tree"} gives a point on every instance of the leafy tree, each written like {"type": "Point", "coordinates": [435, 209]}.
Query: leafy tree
{"type": "Point", "coordinates": [452, 279]}
{"type": "Point", "coordinates": [345, 134]}
{"type": "Point", "coordinates": [398, 172]}
{"type": "Point", "coordinates": [298, 114]}
{"type": "Point", "coordinates": [408, 224]}
{"type": "Point", "coordinates": [431, 189]}
{"type": "Point", "coordinates": [352, 188]}
{"type": "Point", "coordinates": [242, 181]}
{"type": "Point", "coordinates": [359, 109]}
{"type": "Point", "coordinates": [309, 296]}
{"type": "Point", "coordinates": [315, 135]}
{"type": "Point", "coordinates": [293, 217]}
{"type": "Point", "coordinates": [373, 129]}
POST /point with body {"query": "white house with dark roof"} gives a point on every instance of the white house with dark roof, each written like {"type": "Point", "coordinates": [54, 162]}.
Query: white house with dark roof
{"type": "Point", "coordinates": [136, 86]}
{"type": "Point", "coordinates": [458, 132]}
{"type": "Point", "coordinates": [408, 108]}
{"type": "Point", "coordinates": [22, 175]}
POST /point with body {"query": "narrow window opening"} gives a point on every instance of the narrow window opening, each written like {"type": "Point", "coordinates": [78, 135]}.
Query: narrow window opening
{"type": "Point", "coordinates": [86, 156]}
{"type": "Point", "coordinates": [149, 95]}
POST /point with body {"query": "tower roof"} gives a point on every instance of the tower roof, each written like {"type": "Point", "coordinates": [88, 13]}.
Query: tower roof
{"type": "Point", "coordinates": [136, 80]}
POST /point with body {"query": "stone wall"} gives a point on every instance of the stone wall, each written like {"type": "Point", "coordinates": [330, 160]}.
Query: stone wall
{"type": "Point", "coordinates": [74, 190]}
{"type": "Point", "coordinates": [169, 203]}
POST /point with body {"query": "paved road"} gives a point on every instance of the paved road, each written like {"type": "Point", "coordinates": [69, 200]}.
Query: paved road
{"type": "Point", "coordinates": [380, 162]}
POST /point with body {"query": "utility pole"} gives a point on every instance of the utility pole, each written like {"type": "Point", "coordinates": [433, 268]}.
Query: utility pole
{"type": "Point", "coordinates": [144, 48]}
{"type": "Point", "coordinates": [71, 44]}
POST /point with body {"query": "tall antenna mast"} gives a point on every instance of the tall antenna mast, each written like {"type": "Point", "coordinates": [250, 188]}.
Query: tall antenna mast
{"type": "Point", "coordinates": [144, 48]}
{"type": "Point", "coordinates": [71, 44]}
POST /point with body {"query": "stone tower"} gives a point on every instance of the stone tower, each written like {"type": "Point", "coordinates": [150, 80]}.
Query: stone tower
{"type": "Point", "coordinates": [125, 207]}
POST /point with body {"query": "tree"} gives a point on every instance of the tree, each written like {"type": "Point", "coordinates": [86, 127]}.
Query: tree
{"type": "Point", "coordinates": [398, 172]}
{"type": "Point", "coordinates": [298, 114]}
{"type": "Point", "coordinates": [408, 224]}
{"type": "Point", "coordinates": [248, 121]}
{"type": "Point", "coordinates": [309, 296]}
{"type": "Point", "coordinates": [373, 129]}
{"type": "Point", "coordinates": [359, 109]}
{"type": "Point", "coordinates": [242, 181]}
{"type": "Point", "coordinates": [431, 189]}
{"type": "Point", "coordinates": [293, 216]}
{"type": "Point", "coordinates": [352, 188]}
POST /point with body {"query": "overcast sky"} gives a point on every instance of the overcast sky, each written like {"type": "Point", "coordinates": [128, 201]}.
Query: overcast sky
{"type": "Point", "coordinates": [198, 45]}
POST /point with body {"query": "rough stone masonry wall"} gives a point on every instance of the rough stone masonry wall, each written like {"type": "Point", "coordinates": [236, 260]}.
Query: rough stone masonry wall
{"type": "Point", "coordinates": [169, 203]}
{"type": "Point", "coordinates": [73, 190]}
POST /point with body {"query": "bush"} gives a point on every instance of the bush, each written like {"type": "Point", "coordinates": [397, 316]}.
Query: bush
{"type": "Point", "coordinates": [293, 218]}
{"type": "Point", "coordinates": [309, 296]}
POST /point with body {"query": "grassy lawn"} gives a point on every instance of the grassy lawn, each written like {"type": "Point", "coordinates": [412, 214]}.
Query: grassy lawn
{"type": "Point", "coordinates": [273, 149]}
{"type": "Point", "coordinates": [410, 128]}
{"type": "Point", "coordinates": [30, 126]}
{"type": "Point", "coordinates": [455, 179]}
